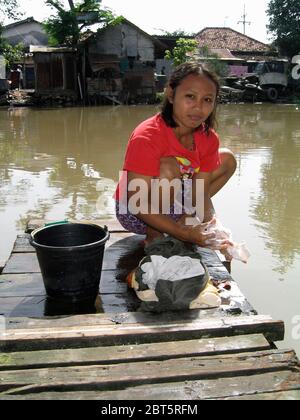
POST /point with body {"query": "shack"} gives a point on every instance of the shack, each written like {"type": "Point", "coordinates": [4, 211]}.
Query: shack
{"type": "Point", "coordinates": [28, 32]}
{"type": "Point", "coordinates": [55, 72]}
{"type": "Point", "coordinates": [120, 64]}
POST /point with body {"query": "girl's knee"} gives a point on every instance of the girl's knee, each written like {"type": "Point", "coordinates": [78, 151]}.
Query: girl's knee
{"type": "Point", "coordinates": [228, 160]}
{"type": "Point", "coordinates": [169, 168]}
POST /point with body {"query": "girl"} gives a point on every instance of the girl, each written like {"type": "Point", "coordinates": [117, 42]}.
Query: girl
{"type": "Point", "coordinates": [178, 143]}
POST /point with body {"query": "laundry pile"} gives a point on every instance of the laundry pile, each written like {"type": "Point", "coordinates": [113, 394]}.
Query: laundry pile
{"type": "Point", "coordinates": [172, 277]}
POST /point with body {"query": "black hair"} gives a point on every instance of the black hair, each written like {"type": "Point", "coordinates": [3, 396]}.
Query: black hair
{"type": "Point", "coordinates": [179, 74]}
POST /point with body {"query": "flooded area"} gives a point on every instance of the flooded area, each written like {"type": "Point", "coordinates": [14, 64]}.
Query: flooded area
{"type": "Point", "coordinates": [64, 163]}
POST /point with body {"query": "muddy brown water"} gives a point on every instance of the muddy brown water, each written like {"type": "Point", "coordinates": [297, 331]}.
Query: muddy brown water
{"type": "Point", "coordinates": [64, 163]}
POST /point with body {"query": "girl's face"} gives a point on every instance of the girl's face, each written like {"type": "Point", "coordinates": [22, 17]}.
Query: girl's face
{"type": "Point", "coordinates": [193, 101]}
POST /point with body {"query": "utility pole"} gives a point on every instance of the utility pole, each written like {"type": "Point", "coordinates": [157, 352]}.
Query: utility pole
{"type": "Point", "coordinates": [71, 4]}
{"type": "Point", "coordinates": [244, 21]}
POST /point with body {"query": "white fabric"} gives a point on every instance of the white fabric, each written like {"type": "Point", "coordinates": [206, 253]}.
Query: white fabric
{"type": "Point", "coordinates": [172, 269]}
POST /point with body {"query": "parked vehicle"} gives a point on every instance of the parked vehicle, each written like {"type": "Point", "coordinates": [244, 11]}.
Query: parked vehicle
{"type": "Point", "coordinates": [273, 77]}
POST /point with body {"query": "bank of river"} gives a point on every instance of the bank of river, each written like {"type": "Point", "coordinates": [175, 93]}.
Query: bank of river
{"type": "Point", "coordinates": [64, 163]}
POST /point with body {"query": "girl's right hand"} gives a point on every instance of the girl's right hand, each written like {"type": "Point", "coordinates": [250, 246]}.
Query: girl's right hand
{"type": "Point", "coordinates": [200, 237]}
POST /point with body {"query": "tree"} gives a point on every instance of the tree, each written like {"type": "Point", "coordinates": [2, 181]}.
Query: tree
{"type": "Point", "coordinates": [12, 54]}
{"type": "Point", "coordinates": [65, 27]}
{"type": "Point", "coordinates": [183, 51]}
{"type": "Point", "coordinates": [10, 9]}
{"type": "Point", "coordinates": [284, 25]}
{"type": "Point", "coordinates": [176, 32]}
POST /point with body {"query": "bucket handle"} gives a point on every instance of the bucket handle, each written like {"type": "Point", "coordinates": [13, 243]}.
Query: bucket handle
{"type": "Point", "coordinates": [62, 222]}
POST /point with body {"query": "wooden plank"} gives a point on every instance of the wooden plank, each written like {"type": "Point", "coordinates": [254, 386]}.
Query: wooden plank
{"type": "Point", "coordinates": [22, 263]}
{"type": "Point", "coordinates": [21, 285]}
{"type": "Point", "coordinates": [27, 306]}
{"type": "Point", "coordinates": [137, 373]}
{"type": "Point", "coordinates": [133, 353]}
{"type": "Point", "coordinates": [124, 251]}
{"type": "Point", "coordinates": [41, 306]}
{"type": "Point", "coordinates": [114, 319]}
{"type": "Point", "coordinates": [26, 285]}
{"type": "Point", "coordinates": [215, 267]}
{"type": "Point", "coordinates": [281, 384]}
{"type": "Point", "coordinates": [97, 335]}
{"type": "Point", "coordinates": [125, 248]}
{"type": "Point", "coordinates": [22, 244]}
{"type": "Point", "coordinates": [271, 396]}
{"type": "Point", "coordinates": [128, 319]}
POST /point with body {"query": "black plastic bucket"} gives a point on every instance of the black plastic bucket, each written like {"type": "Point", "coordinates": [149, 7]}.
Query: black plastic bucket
{"type": "Point", "coordinates": [70, 256]}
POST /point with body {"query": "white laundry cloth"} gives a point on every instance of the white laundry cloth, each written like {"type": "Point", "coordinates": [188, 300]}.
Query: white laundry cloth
{"type": "Point", "coordinates": [172, 269]}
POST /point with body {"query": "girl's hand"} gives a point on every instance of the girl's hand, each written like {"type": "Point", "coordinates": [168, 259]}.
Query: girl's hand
{"type": "Point", "coordinates": [199, 235]}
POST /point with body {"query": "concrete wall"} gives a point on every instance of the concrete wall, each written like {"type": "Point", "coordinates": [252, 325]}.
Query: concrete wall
{"type": "Point", "coordinates": [124, 41]}
{"type": "Point", "coordinates": [29, 33]}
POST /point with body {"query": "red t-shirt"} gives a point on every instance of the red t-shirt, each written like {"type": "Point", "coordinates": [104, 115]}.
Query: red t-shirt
{"type": "Point", "coordinates": [153, 140]}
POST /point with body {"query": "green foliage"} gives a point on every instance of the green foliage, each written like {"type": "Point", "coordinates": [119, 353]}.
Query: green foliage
{"type": "Point", "coordinates": [10, 9]}
{"type": "Point", "coordinates": [65, 27]}
{"type": "Point", "coordinates": [182, 52]}
{"type": "Point", "coordinates": [176, 32]}
{"type": "Point", "coordinates": [12, 53]}
{"type": "Point", "coordinates": [284, 25]}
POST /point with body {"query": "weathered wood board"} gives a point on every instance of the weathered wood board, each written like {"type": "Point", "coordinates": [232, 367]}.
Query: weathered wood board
{"type": "Point", "coordinates": [22, 291]}
{"type": "Point", "coordinates": [111, 351]}
{"type": "Point", "coordinates": [59, 335]}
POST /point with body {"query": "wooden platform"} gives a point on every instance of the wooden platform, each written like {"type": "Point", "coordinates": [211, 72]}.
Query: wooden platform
{"type": "Point", "coordinates": [112, 351]}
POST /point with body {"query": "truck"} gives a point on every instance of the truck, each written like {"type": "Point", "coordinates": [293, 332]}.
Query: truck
{"type": "Point", "coordinates": [273, 77]}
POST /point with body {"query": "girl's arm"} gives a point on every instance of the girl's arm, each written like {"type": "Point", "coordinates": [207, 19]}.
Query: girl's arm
{"type": "Point", "coordinates": [209, 211]}
{"type": "Point", "coordinates": [160, 222]}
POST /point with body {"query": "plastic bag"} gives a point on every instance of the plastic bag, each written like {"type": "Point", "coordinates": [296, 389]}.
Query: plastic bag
{"type": "Point", "coordinates": [237, 251]}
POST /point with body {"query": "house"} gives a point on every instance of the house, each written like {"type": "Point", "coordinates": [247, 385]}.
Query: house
{"type": "Point", "coordinates": [55, 71]}
{"type": "Point", "coordinates": [164, 66]}
{"type": "Point", "coordinates": [120, 63]}
{"type": "Point", "coordinates": [28, 32]}
{"type": "Point", "coordinates": [235, 48]}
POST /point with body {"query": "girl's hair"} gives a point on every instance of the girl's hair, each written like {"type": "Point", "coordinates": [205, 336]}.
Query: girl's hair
{"type": "Point", "coordinates": [179, 74]}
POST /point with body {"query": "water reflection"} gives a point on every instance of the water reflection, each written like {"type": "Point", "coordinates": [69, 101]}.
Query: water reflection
{"type": "Point", "coordinates": [65, 163]}
{"type": "Point", "coordinates": [276, 208]}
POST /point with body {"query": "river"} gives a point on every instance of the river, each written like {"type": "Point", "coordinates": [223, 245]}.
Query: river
{"type": "Point", "coordinates": [64, 163]}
